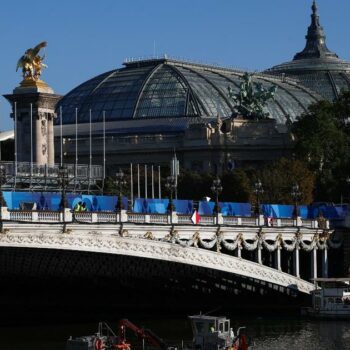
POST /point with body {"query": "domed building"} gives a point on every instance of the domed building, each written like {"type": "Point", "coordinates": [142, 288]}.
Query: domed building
{"type": "Point", "coordinates": [316, 67]}
{"type": "Point", "coordinates": [143, 112]}
{"type": "Point", "coordinates": [153, 107]}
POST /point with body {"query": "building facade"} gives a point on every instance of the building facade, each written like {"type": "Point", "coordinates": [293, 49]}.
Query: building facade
{"type": "Point", "coordinates": [150, 108]}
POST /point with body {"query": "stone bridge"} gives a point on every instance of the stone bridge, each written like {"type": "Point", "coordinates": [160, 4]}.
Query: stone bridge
{"type": "Point", "coordinates": [243, 247]}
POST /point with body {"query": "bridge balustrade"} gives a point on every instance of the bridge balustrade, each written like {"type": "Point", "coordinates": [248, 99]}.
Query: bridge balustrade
{"type": "Point", "coordinates": [184, 219]}
{"type": "Point", "coordinates": [49, 216]}
{"type": "Point", "coordinates": [83, 216]}
{"type": "Point", "coordinates": [105, 217]}
{"type": "Point", "coordinates": [159, 218]}
{"type": "Point", "coordinates": [138, 218]}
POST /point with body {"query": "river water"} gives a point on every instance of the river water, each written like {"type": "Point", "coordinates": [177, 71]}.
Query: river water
{"type": "Point", "coordinates": [269, 333]}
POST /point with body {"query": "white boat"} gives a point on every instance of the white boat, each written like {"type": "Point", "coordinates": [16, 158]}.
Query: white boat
{"type": "Point", "coordinates": [330, 299]}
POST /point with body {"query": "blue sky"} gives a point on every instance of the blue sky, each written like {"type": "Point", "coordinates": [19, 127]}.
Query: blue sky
{"type": "Point", "coordinates": [86, 38]}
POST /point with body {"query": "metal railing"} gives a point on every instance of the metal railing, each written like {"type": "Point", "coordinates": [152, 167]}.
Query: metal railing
{"type": "Point", "coordinates": [26, 169]}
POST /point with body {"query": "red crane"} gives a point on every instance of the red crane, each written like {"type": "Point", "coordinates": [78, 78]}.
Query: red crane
{"type": "Point", "coordinates": [141, 333]}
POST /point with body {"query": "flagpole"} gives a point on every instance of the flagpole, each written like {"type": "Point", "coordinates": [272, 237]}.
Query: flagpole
{"type": "Point", "coordinates": [90, 150]}
{"type": "Point", "coordinates": [104, 149]}
{"type": "Point", "coordinates": [159, 184]}
{"type": "Point", "coordinates": [15, 132]}
{"type": "Point", "coordinates": [138, 181]}
{"type": "Point", "coordinates": [61, 135]}
{"type": "Point", "coordinates": [152, 182]}
{"type": "Point", "coordinates": [76, 147]}
{"type": "Point", "coordinates": [131, 186]}
{"type": "Point", "coordinates": [146, 195]}
{"type": "Point", "coordinates": [31, 141]}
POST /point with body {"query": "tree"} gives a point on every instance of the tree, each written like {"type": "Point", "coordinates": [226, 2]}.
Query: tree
{"type": "Point", "coordinates": [323, 142]}
{"type": "Point", "coordinates": [192, 185]}
{"type": "Point", "coordinates": [236, 186]}
{"type": "Point", "coordinates": [278, 179]}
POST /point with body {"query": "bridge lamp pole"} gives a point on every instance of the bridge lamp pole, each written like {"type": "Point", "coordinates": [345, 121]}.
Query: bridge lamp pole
{"type": "Point", "coordinates": [63, 182]}
{"type": "Point", "coordinates": [216, 188]}
{"type": "Point", "coordinates": [120, 183]}
{"type": "Point", "coordinates": [258, 190]}
{"type": "Point", "coordinates": [2, 200]}
{"type": "Point", "coordinates": [170, 185]}
{"type": "Point", "coordinates": [295, 193]}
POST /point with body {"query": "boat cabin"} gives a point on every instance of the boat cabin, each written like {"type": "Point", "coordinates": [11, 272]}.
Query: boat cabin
{"type": "Point", "coordinates": [211, 332]}
{"type": "Point", "coordinates": [331, 297]}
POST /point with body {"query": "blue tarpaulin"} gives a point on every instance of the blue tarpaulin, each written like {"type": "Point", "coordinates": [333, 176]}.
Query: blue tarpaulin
{"type": "Point", "coordinates": [159, 206]}
{"type": "Point", "coordinates": [226, 208]}
{"type": "Point", "coordinates": [51, 200]}
{"type": "Point", "coordinates": [235, 209]}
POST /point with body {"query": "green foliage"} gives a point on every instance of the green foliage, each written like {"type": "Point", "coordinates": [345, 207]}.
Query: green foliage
{"type": "Point", "coordinates": [323, 141]}
{"type": "Point", "coordinates": [192, 185]}
{"type": "Point", "coordinates": [236, 186]}
{"type": "Point", "coordinates": [278, 179]}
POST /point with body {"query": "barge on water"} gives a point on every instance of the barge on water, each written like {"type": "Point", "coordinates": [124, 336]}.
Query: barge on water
{"type": "Point", "coordinates": [330, 299]}
{"type": "Point", "coordinates": [209, 333]}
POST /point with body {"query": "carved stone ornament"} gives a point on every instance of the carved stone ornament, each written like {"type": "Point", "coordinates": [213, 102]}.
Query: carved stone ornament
{"type": "Point", "coordinates": [43, 127]}
{"type": "Point", "coordinates": [43, 148]}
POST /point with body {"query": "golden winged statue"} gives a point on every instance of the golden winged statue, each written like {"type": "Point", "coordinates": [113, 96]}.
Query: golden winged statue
{"type": "Point", "coordinates": [32, 63]}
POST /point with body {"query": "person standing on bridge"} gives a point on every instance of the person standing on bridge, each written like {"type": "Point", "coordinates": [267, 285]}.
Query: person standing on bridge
{"type": "Point", "coordinates": [78, 207]}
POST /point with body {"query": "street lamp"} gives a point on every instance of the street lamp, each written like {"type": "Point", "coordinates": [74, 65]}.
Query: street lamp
{"type": "Point", "coordinates": [295, 193]}
{"type": "Point", "coordinates": [63, 182]}
{"type": "Point", "coordinates": [170, 185]}
{"type": "Point", "coordinates": [2, 200]}
{"type": "Point", "coordinates": [216, 188]}
{"type": "Point", "coordinates": [258, 190]}
{"type": "Point", "coordinates": [120, 183]}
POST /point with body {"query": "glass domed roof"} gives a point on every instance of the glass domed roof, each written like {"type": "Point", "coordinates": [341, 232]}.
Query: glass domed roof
{"type": "Point", "coordinates": [316, 67]}
{"type": "Point", "coordinates": [166, 89]}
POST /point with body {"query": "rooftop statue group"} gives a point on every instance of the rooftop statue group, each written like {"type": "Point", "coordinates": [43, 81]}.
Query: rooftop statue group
{"type": "Point", "coordinates": [32, 63]}
{"type": "Point", "coordinates": [250, 101]}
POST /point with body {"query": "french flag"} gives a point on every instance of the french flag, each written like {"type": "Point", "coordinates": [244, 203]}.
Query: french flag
{"type": "Point", "coordinates": [196, 218]}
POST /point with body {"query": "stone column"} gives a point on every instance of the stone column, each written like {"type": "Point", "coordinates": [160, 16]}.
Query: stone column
{"type": "Point", "coordinates": [39, 142]}
{"type": "Point", "coordinates": [50, 141]}
{"type": "Point", "coordinates": [239, 251]}
{"type": "Point", "coordinates": [314, 263]}
{"type": "Point", "coordinates": [38, 97]}
{"type": "Point", "coordinates": [259, 254]}
{"type": "Point", "coordinates": [278, 259]}
{"type": "Point", "coordinates": [325, 262]}
{"type": "Point", "coordinates": [296, 262]}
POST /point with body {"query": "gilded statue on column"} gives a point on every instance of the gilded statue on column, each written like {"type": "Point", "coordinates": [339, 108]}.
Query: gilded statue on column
{"type": "Point", "coordinates": [32, 64]}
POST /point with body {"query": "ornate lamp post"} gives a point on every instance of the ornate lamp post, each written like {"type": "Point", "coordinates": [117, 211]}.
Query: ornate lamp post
{"type": "Point", "coordinates": [2, 200]}
{"type": "Point", "coordinates": [63, 182]}
{"type": "Point", "coordinates": [295, 193]}
{"type": "Point", "coordinates": [120, 182]}
{"type": "Point", "coordinates": [216, 188]}
{"type": "Point", "coordinates": [170, 185]}
{"type": "Point", "coordinates": [258, 190]}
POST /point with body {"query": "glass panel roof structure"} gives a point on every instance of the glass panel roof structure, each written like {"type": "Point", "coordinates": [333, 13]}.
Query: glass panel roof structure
{"type": "Point", "coordinates": [165, 88]}
{"type": "Point", "coordinates": [316, 67]}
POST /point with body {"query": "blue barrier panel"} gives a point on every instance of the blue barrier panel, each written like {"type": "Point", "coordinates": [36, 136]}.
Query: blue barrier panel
{"type": "Point", "coordinates": [328, 211]}
{"type": "Point", "coordinates": [206, 208]}
{"type": "Point", "coordinates": [159, 206]}
{"type": "Point", "coordinates": [183, 206]}
{"type": "Point", "coordinates": [51, 200]}
{"type": "Point", "coordinates": [235, 209]}
{"type": "Point", "coordinates": [277, 210]}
